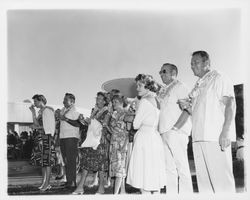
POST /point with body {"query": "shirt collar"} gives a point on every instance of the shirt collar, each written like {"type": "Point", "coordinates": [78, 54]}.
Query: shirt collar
{"type": "Point", "coordinates": [202, 79]}
{"type": "Point", "coordinates": [173, 82]}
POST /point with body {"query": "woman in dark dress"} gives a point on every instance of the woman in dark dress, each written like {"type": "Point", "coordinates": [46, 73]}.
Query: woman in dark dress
{"type": "Point", "coordinates": [43, 153]}
{"type": "Point", "coordinates": [94, 159]}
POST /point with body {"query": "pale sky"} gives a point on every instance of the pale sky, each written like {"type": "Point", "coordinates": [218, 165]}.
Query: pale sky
{"type": "Point", "coordinates": [58, 51]}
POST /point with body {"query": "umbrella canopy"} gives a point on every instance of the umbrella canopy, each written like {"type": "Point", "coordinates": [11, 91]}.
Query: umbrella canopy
{"type": "Point", "coordinates": [127, 86]}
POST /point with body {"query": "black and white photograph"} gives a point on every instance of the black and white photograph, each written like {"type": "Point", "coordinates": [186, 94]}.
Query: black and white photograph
{"type": "Point", "coordinates": [124, 99]}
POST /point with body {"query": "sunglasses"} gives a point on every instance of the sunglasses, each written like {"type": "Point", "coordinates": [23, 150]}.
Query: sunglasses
{"type": "Point", "coordinates": [163, 71]}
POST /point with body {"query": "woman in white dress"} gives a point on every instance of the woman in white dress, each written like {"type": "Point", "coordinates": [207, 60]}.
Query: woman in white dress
{"type": "Point", "coordinates": [147, 167]}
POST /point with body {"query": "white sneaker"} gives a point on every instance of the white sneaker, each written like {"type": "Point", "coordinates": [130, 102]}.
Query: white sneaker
{"type": "Point", "coordinates": [95, 183]}
{"type": "Point", "coordinates": [108, 183]}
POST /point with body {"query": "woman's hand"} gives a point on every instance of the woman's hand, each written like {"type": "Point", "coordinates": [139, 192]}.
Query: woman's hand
{"type": "Point", "coordinates": [62, 117]}
{"type": "Point", "coordinates": [32, 109]}
{"type": "Point", "coordinates": [87, 119]}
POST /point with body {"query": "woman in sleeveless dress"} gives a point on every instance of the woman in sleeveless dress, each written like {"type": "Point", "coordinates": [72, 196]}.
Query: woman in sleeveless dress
{"type": "Point", "coordinates": [43, 153]}
{"type": "Point", "coordinates": [147, 167]}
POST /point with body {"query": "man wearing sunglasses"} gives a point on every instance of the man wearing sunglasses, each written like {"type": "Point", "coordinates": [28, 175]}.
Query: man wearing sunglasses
{"type": "Point", "coordinates": [175, 137]}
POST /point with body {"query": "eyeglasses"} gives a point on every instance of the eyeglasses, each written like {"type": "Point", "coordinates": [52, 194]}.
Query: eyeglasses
{"type": "Point", "coordinates": [163, 71]}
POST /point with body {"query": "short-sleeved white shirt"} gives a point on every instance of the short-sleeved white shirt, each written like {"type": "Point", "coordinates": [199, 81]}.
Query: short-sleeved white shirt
{"type": "Point", "coordinates": [49, 123]}
{"type": "Point", "coordinates": [170, 110]}
{"type": "Point", "coordinates": [67, 130]}
{"type": "Point", "coordinates": [208, 110]}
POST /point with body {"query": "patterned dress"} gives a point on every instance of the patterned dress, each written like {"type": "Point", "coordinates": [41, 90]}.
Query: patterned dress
{"type": "Point", "coordinates": [97, 160]}
{"type": "Point", "coordinates": [118, 144]}
{"type": "Point", "coordinates": [43, 153]}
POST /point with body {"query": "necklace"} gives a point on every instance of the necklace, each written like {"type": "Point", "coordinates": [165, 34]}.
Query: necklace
{"type": "Point", "coordinates": [165, 91]}
{"type": "Point", "coordinates": [201, 83]}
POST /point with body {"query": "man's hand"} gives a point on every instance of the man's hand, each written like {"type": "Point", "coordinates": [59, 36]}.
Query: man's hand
{"type": "Point", "coordinates": [224, 140]}
{"type": "Point", "coordinates": [185, 104]}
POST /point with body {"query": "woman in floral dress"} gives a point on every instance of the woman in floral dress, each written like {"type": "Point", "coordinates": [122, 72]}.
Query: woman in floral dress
{"type": "Point", "coordinates": [118, 144]}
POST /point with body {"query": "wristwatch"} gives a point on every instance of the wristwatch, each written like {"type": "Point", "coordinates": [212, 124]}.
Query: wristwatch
{"type": "Point", "coordinates": [174, 128]}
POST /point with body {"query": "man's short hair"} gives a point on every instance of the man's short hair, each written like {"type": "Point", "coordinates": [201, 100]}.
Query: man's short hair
{"type": "Point", "coordinates": [71, 97]}
{"type": "Point", "coordinates": [40, 97]}
{"type": "Point", "coordinates": [172, 67]}
{"type": "Point", "coordinates": [203, 54]}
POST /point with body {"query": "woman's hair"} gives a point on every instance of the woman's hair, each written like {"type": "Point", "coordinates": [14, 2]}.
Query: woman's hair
{"type": "Point", "coordinates": [122, 99]}
{"type": "Point", "coordinates": [40, 97]}
{"type": "Point", "coordinates": [104, 97]}
{"type": "Point", "coordinates": [71, 97]}
{"type": "Point", "coordinates": [149, 82]}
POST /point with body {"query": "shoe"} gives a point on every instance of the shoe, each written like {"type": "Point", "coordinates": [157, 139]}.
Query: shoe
{"type": "Point", "coordinates": [95, 183]}
{"type": "Point", "coordinates": [98, 193]}
{"type": "Point", "coordinates": [45, 189]}
{"type": "Point", "coordinates": [40, 187]}
{"type": "Point", "coordinates": [71, 184]}
{"type": "Point", "coordinates": [78, 193]}
{"type": "Point", "coordinates": [107, 184]}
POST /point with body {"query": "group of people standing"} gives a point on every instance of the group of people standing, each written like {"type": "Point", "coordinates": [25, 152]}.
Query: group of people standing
{"type": "Point", "coordinates": [144, 143]}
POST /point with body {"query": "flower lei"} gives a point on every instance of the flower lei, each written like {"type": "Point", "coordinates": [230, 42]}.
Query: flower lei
{"type": "Point", "coordinates": [199, 84]}
{"type": "Point", "coordinates": [165, 91]}
{"type": "Point", "coordinates": [97, 113]}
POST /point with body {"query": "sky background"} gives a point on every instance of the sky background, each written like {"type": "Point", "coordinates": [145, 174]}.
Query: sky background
{"type": "Point", "coordinates": [57, 51]}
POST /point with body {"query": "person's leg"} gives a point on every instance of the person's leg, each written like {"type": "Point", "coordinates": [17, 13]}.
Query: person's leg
{"type": "Point", "coordinates": [62, 174]}
{"type": "Point", "coordinates": [178, 146]}
{"type": "Point", "coordinates": [82, 181]}
{"type": "Point", "coordinates": [123, 189]}
{"type": "Point", "coordinates": [95, 180]}
{"type": "Point", "coordinates": [43, 178]}
{"type": "Point", "coordinates": [71, 154]}
{"type": "Point", "coordinates": [118, 182]}
{"type": "Point", "coordinates": [219, 165]}
{"type": "Point", "coordinates": [128, 155]}
{"type": "Point", "coordinates": [171, 171]}
{"type": "Point", "coordinates": [107, 180]}
{"type": "Point", "coordinates": [47, 176]}
{"type": "Point", "coordinates": [101, 189]}
{"type": "Point", "coordinates": [202, 175]}
{"type": "Point", "coordinates": [63, 154]}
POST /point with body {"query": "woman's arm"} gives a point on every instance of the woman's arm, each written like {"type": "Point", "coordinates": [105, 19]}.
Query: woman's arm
{"type": "Point", "coordinates": [75, 123]}
{"type": "Point", "coordinates": [141, 113]}
{"type": "Point", "coordinates": [33, 111]}
{"type": "Point", "coordinates": [49, 123]}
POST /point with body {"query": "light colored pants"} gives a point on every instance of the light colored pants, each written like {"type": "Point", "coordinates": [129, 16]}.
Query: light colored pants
{"type": "Point", "coordinates": [213, 168]}
{"type": "Point", "coordinates": [177, 167]}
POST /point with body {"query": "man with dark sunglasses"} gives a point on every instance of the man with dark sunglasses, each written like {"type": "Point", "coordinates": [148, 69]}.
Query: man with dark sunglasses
{"type": "Point", "coordinates": [175, 137]}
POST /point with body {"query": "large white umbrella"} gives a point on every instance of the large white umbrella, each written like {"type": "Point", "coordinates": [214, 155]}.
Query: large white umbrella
{"type": "Point", "coordinates": [127, 86]}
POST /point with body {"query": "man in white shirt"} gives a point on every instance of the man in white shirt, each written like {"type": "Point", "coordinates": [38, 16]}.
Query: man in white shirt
{"type": "Point", "coordinates": [69, 137]}
{"type": "Point", "coordinates": [212, 106]}
{"type": "Point", "coordinates": [175, 138]}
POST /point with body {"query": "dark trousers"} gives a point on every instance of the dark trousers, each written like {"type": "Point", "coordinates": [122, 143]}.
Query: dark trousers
{"type": "Point", "coordinates": [69, 153]}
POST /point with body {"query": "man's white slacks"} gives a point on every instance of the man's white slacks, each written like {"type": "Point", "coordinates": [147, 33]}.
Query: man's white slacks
{"type": "Point", "coordinates": [213, 168]}
{"type": "Point", "coordinates": [177, 166]}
